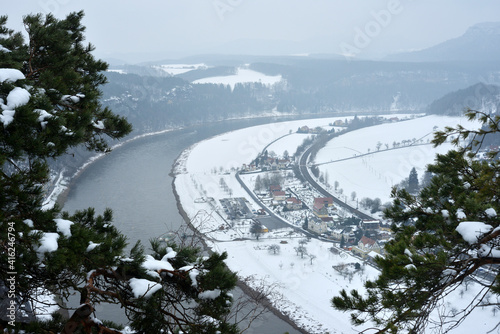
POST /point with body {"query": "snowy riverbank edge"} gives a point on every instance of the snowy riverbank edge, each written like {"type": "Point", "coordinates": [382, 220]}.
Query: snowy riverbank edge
{"type": "Point", "coordinates": [242, 285]}
{"type": "Point", "coordinates": [62, 184]}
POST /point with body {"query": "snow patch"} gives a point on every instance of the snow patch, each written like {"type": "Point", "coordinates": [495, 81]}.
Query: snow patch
{"type": "Point", "coordinates": [7, 117]}
{"type": "Point", "coordinates": [28, 222]}
{"type": "Point", "coordinates": [491, 212]}
{"type": "Point", "coordinates": [48, 242]}
{"type": "Point", "coordinates": [461, 214]}
{"type": "Point", "coordinates": [17, 97]}
{"type": "Point", "coordinates": [64, 226]}
{"type": "Point", "coordinates": [98, 125]}
{"type": "Point", "coordinates": [10, 74]}
{"type": "Point", "coordinates": [151, 263]}
{"type": "Point", "coordinates": [193, 274]}
{"type": "Point", "coordinates": [175, 69]}
{"type": "Point", "coordinates": [91, 246]}
{"type": "Point", "coordinates": [472, 231]}
{"type": "Point", "coordinates": [170, 254]}
{"type": "Point", "coordinates": [143, 287]}
{"type": "Point", "coordinates": [4, 49]}
{"type": "Point", "coordinates": [242, 76]}
{"type": "Point", "coordinates": [44, 304]}
{"type": "Point", "coordinates": [209, 294]}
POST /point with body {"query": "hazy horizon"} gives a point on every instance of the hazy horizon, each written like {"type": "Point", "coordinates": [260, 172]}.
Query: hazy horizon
{"type": "Point", "coordinates": [153, 30]}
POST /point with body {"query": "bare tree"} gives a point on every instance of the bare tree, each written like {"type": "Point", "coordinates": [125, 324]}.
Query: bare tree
{"type": "Point", "coordinates": [301, 250]}
{"type": "Point", "coordinates": [303, 241]}
{"type": "Point", "coordinates": [274, 248]}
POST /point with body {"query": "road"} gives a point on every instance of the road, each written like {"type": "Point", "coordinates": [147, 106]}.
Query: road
{"type": "Point", "coordinates": [271, 220]}
{"type": "Point", "coordinates": [305, 173]}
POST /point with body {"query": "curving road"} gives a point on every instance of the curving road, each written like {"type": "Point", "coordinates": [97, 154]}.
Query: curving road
{"type": "Point", "coordinates": [271, 220]}
{"type": "Point", "coordinates": [305, 173]}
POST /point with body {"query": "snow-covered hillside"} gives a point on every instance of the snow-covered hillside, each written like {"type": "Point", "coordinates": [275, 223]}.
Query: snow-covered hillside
{"type": "Point", "coordinates": [305, 285]}
{"type": "Point", "coordinates": [242, 75]}
{"type": "Point", "coordinates": [372, 171]}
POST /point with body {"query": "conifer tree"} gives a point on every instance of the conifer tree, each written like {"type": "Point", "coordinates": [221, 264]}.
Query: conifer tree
{"type": "Point", "coordinates": [413, 181]}
{"type": "Point", "coordinates": [49, 102]}
{"type": "Point", "coordinates": [444, 237]}
{"type": "Point", "coordinates": [256, 229]}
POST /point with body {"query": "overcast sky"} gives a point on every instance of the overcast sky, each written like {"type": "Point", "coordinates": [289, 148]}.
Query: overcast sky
{"type": "Point", "coordinates": [156, 29]}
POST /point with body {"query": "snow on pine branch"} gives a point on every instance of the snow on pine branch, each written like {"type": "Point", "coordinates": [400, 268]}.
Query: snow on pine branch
{"type": "Point", "coordinates": [483, 234]}
{"type": "Point", "coordinates": [143, 288]}
{"type": "Point", "coordinates": [16, 98]}
{"type": "Point", "coordinates": [472, 231]}
{"type": "Point", "coordinates": [10, 75]}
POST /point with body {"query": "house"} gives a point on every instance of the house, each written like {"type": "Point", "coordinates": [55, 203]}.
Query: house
{"type": "Point", "coordinates": [371, 225]}
{"type": "Point", "coordinates": [274, 188]}
{"type": "Point", "coordinates": [282, 163]}
{"type": "Point", "coordinates": [366, 245]}
{"type": "Point", "coordinates": [320, 210]}
{"type": "Point", "coordinates": [293, 203]}
{"type": "Point", "coordinates": [347, 233]}
{"type": "Point", "coordinates": [338, 122]}
{"type": "Point", "coordinates": [317, 226]}
{"type": "Point", "coordinates": [279, 196]}
{"type": "Point", "coordinates": [249, 168]}
{"type": "Point", "coordinates": [385, 228]}
{"type": "Point", "coordinates": [304, 129]}
{"type": "Point", "coordinates": [320, 207]}
{"type": "Point", "coordinates": [327, 201]}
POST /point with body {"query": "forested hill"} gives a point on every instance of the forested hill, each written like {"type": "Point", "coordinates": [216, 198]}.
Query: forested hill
{"type": "Point", "coordinates": [481, 97]}
{"type": "Point", "coordinates": [154, 101]}
{"type": "Point", "coordinates": [157, 103]}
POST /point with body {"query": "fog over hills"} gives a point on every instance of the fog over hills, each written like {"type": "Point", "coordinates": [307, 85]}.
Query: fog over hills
{"type": "Point", "coordinates": [153, 98]}
{"type": "Point", "coordinates": [480, 42]}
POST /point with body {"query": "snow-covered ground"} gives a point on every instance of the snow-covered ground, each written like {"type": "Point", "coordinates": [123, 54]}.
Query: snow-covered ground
{"type": "Point", "coordinates": [242, 75]}
{"type": "Point", "coordinates": [305, 286]}
{"type": "Point", "coordinates": [175, 69]}
{"type": "Point", "coordinates": [373, 172]}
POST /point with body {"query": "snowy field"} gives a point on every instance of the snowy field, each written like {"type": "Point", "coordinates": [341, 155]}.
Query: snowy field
{"type": "Point", "coordinates": [175, 69]}
{"type": "Point", "coordinates": [305, 285]}
{"type": "Point", "coordinates": [373, 172]}
{"type": "Point", "coordinates": [242, 75]}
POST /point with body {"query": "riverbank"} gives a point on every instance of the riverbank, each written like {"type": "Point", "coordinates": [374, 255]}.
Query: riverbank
{"type": "Point", "coordinates": [241, 284]}
{"type": "Point", "coordinates": [133, 180]}
{"type": "Point", "coordinates": [303, 285]}
{"type": "Point", "coordinates": [62, 184]}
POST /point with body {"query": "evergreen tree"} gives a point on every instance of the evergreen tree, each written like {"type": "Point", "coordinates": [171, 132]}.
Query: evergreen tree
{"type": "Point", "coordinates": [342, 242]}
{"type": "Point", "coordinates": [305, 225]}
{"type": "Point", "coordinates": [49, 101]}
{"type": "Point", "coordinates": [413, 181]}
{"type": "Point", "coordinates": [444, 236]}
{"type": "Point", "coordinates": [256, 229]}
{"type": "Point", "coordinates": [258, 183]}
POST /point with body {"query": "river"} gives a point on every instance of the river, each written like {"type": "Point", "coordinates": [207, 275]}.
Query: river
{"type": "Point", "coordinates": [134, 181]}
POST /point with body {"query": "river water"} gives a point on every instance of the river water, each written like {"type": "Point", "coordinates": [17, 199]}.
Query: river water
{"type": "Point", "coordinates": [134, 181]}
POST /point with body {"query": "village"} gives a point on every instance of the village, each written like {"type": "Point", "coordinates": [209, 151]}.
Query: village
{"type": "Point", "coordinates": [271, 182]}
{"type": "Point", "coordinates": [317, 234]}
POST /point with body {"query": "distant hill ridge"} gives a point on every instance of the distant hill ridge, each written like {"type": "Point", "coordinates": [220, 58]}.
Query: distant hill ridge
{"type": "Point", "coordinates": [482, 97]}
{"type": "Point", "coordinates": [480, 42]}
